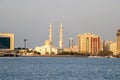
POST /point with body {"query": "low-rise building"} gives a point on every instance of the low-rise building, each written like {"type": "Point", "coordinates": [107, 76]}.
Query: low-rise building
{"type": "Point", "coordinates": [110, 46]}
{"type": "Point", "coordinates": [71, 49]}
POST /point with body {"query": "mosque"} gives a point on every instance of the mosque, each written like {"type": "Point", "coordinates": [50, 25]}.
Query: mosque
{"type": "Point", "coordinates": [48, 48]}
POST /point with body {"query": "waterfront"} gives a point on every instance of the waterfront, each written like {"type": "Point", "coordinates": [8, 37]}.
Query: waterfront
{"type": "Point", "coordinates": [59, 68]}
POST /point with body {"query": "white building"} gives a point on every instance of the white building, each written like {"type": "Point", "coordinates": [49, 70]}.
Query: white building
{"type": "Point", "coordinates": [48, 48]}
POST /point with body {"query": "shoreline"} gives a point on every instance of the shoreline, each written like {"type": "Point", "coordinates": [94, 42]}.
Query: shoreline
{"type": "Point", "coordinates": [61, 56]}
{"type": "Point", "coordinates": [70, 56]}
{"type": "Point", "coordinates": [54, 56]}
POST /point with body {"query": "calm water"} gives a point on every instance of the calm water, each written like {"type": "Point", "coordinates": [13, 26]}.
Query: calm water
{"type": "Point", "coordinates": [59, 68]}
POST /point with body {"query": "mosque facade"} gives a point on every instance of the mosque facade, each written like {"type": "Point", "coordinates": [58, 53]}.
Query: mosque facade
{"type": "Point", "coordinates": [48, 48]}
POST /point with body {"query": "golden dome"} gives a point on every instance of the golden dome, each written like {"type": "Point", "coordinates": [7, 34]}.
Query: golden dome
{"type": "Point", "coordinates": [47, 42]}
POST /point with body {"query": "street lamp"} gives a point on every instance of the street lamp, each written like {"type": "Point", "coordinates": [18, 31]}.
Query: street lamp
{"type": "Point", "coordinates": [25, 43]}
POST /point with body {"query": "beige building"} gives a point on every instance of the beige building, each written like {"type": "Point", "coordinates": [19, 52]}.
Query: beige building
{"type": "Point", "coordinates": [113, 48]}
{"type": "Point", "coordinates": [89, 43]}
{"type": "Point", "coordinates": [71, 49]}
{"type": "Point", "coordinates": [118, 40]}
{"type": "Point", "coordinates": [6, 41]}
{"type": "Point", "coordinates": [110, 46]}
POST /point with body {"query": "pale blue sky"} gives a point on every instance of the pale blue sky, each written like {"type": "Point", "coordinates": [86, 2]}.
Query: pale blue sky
{"type": "Point", "coordinates": [31, 19]}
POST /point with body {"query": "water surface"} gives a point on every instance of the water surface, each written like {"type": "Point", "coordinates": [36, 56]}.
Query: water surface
{"type": "Point", "coordinates": [59, 68]}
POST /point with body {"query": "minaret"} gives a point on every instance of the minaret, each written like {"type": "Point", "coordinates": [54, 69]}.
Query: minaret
{"type": "Point", "coordinates": [50, 34]}
{"type": "Point", "coordinates": [61, 37]}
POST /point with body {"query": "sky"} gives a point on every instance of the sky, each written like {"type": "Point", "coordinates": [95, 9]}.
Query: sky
{"type": "Point", "coordinates": [30, 19]}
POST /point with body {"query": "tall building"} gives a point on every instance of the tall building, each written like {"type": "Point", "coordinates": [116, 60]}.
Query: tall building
{"type": "Point", "coordinates": [118, 40]}
{"type": "Point", "coordinates": [6, 41]}
{"type": "Point", "coordinates": [89, 43]}
{"type": "Point", "coordinates": [71, 42]}
{"type": "Point", "coordinates": [61, 37]}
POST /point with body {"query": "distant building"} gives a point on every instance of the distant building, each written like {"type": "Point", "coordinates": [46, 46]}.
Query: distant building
{"type": "Point", "coordinates": [48, 48]}
{"type": "Point", "coordinates": [118, 40]}
{"type": "Point", "coordinates": [71, 42]}
{"type": "Point", "coordinates": [71, 49]}
{"type": "Point", "coordinates": [110, 46]}
{"type": "Point", "coordinates": [72, 46]}
{"type": "Point", "coordinates": [6, 41]}
{"type": "Point", "coordinates": [89, 43]}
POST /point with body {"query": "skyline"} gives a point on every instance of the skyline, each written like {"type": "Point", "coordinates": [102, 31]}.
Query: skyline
{"type": "Point", "coordinates": [31, 19]}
